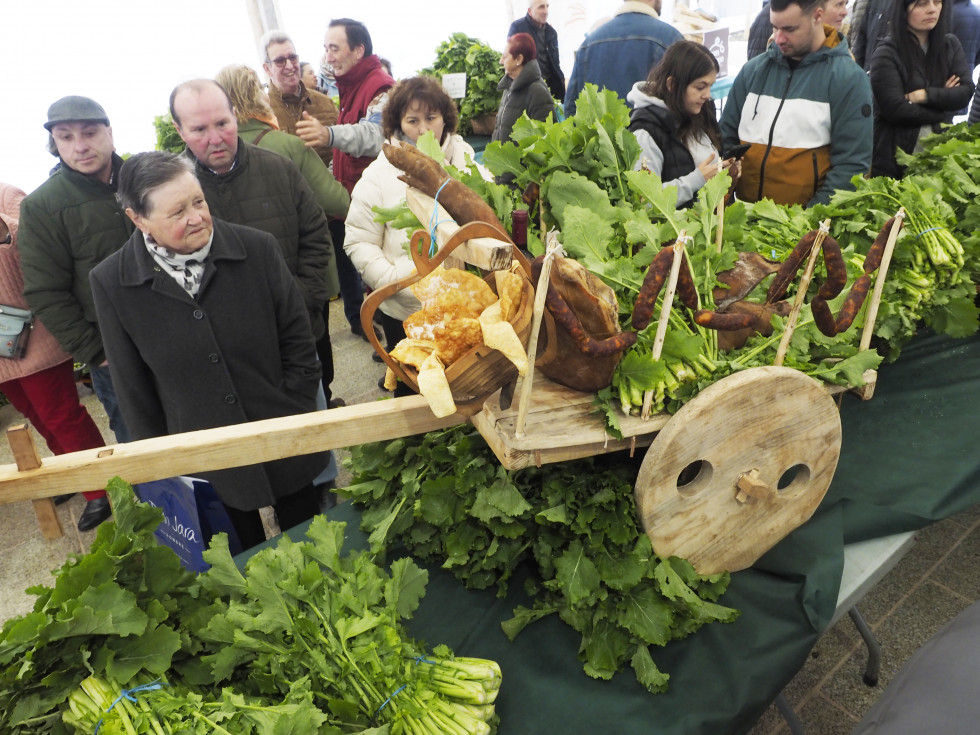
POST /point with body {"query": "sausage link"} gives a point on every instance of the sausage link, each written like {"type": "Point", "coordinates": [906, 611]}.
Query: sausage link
{"type": "Point", "coordinates": [873, 259]}
{"type": "Point", "coordinates": [724, 322]}
{"type": "Point", "coordinates": [609, 346]}
{"type": "Point", "coordinates": [569, 321]}
{"type": "Point", "coordinates": [646, 300]}
{"type": "Point", "coordinates": [853, 302]}
{"type": "Point", "coordinates": [786, 272]}
{"type": "Point", "coordinates": [686, 290]}
{"type": "Point", "coordinates": [823, 317]}
{"type": "Point", "coordinates": [836, 269]}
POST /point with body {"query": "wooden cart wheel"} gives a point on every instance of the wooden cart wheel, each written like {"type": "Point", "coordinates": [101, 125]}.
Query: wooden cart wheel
{"type": "Point", "coordinates": [738, 467]}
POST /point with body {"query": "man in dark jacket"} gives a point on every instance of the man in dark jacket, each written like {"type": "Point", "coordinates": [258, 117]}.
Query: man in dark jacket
{"type": "Point", "coordinates": [869, 26]}
{"type": "Point", "coordinates": [535, 24]}
{"type": "Point", "coordinates": [759, 32]}
{"type": "Point", "coordinates": [250, 186]}
{"type": "Point", "coordinates": [68, 225]}
{"type": "Point", "coordinates": [356, 139]}
{"type": "Point", "coordinates": [966, 26]}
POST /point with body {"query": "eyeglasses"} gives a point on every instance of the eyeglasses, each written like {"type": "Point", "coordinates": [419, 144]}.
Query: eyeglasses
{"type": "Point", "coordinates": [281, 61]}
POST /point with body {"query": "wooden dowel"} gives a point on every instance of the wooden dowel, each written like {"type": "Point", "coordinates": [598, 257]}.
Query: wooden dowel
{"type": "Point", "coordinates": [665, 307]}
{"type": "Point", "coordinates": [886, 259]}
{"type": "Point", "coordinates": [801, 292]}
{"type": "Point", "coordinates": [540, 295]}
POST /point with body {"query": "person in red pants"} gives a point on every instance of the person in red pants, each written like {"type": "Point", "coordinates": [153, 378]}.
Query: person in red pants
{"type": "Point", "coordinates": [41, 384]}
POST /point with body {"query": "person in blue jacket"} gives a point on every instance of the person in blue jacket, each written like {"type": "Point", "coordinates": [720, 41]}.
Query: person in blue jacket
{"type": "Point", "coordinates": [621, 51]}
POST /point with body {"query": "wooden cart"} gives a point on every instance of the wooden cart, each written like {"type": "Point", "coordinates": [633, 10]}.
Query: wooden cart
{"type": "Point", "coordinates": [731, 473]}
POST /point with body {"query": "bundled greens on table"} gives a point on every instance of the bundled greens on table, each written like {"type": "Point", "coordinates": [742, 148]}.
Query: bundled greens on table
{"type": "Point", "coordinates": [445, 498]}
{"type": "Point", "coordinates": [307, 639]}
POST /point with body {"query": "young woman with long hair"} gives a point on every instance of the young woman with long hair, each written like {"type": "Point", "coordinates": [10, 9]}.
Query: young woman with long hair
{"type": "Point", "coordinates": [919, 78]}
{"type": "Point", "coordinates": [674, 120]}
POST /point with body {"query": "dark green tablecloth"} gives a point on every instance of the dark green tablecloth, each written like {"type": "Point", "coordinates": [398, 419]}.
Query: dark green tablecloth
{"type": "Point", "coordinates": [908, 459]}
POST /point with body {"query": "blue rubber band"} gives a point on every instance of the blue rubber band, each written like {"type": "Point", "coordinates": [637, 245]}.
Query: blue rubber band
{"type": "Point", "coordinates": [423, 660]}
{"type": "Point", "coordinates": [127, 693]}
{"type": "Point", "coordinates": [434, 222]}
{"type": "Point", "coordinates": [929, 230]}
{"type": "Point", "coordinates": [385, 703]}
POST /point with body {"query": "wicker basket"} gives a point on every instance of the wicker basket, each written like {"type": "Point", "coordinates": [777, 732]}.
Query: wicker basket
{"type": "Point", "coordinates": [481, 371]}
{"type": "Point", "coordinates": [484, 124]}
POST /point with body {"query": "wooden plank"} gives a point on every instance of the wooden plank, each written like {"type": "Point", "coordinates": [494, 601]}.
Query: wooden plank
{"type": "Point", "coordinates": [26, 457]}
{"type": "Point", "coordinates": [229, 446]}
{"type": "Point", "coordinates": [483, 252]}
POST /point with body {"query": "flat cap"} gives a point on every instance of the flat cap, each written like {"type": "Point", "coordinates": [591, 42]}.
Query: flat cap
{"type": "Point", "coordinates": [75, 109]}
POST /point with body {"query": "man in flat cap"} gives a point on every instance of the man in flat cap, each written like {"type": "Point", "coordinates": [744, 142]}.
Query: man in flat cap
{"type": "Point", "coordinates": [68, 225]}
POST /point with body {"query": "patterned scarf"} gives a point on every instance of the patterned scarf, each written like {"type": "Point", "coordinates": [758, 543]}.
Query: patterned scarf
{"type": "Point", "coordinates": [186, 269]}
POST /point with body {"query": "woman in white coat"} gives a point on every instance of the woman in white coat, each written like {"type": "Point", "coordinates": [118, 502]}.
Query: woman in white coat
{"type": "Point", "coordinates": [377, 250]}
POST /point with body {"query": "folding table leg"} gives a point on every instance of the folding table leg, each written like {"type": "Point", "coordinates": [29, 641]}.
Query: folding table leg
{"type": "Point", "coordinates": [873, 668]}
{"type": "Point", "coordinates": [794, 722]}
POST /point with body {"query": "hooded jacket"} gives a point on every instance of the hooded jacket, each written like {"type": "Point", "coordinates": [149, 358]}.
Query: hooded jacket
{"type": "Point", "coordinates": [810, 125]}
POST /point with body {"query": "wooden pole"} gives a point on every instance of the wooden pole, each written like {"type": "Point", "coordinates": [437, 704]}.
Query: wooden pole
{"type": "Point", "coordinates": [665, 307]}
{"type": "Point", "coordinates": [886, 259]}
{"type": "Point", "coordinates": [540, 295]}
{"type": "Point", "coordinates": [801, 292]}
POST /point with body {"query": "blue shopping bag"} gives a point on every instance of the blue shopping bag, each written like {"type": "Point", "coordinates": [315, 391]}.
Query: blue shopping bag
{"type": "Point", "coordinates": [192, 514]}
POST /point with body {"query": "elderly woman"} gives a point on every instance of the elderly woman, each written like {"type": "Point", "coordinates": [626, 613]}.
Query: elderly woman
{"type": "Point", "coordinates": [523, 87]}
{"type": "Point", "coordinates": [415, 106]}
{"type": "Point", "coordinates": [204, 326]}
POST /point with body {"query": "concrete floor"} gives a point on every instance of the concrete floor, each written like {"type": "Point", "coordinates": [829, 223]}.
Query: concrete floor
{"type": "Point", "coordinates": [937, 579]}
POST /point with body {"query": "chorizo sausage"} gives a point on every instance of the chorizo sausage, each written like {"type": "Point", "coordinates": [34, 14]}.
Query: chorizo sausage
{"type": "Point", "coordinates": [836, 269]}
{"type": "Point", "coordinates": [646, 300]}
{"type": "Point", "coordinates": [686, 290]}
{"type": "Point", "coordinates": [823, 317]}
{"type": "Point", "coordinates": [853, 302]}
{"type": "Point", "coordinates": [724, 322]}
{"type": "Point", "coordinates": [873, 259]}
{"type": "Point", "coordinates": [566, 318]}
{"type": "Point", "coordinates": [786, 272]}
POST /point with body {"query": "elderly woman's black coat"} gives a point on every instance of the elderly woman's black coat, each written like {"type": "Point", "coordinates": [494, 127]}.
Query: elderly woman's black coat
{"type": "Point", "coordinates": [241, 351]}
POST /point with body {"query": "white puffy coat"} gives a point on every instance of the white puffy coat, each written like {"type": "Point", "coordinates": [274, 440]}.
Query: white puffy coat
{"type": "Point", "coordinates": [378, 251]}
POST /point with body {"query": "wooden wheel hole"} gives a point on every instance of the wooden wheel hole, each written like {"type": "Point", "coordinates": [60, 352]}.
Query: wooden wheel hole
{"type": "Point", "coordinates": [792, 478]}
{"type": "Point", "coordinates": [694, 477]}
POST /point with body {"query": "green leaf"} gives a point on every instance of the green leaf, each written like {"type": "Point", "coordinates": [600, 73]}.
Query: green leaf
{"type": "Point", "coordinates": [647, 673]}
{"type": "Point", "coordinates": [405, 589]}
{"type": "Point", "coordinates": [577, 574]}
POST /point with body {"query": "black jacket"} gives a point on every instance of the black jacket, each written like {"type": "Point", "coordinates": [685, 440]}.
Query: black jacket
{"type": "Point", "coordinates": [546, 43]}
{"type": "Point", "coordinates": [528, 93]}
{"type": "Point", "coordinates": [267, 191]}
{"type": "Point", "coordinates": [240, 351]}
{"type": "Point", "coordinates": [662, 127]}
{"type": "Point", "coordinates": [898, 122]}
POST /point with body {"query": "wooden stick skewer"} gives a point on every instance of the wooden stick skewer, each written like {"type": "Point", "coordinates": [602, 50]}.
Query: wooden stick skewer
{"type": "Point", "coordinates": [721, 224]}
{"type": "Point", "coordinates": [886, 259]}
{"type": "Point", "coordinates": [801, 292]}
{"type": "Point", "coordinates": [540, 295]}
{"type": "Point", "coordinates": [658, 342]}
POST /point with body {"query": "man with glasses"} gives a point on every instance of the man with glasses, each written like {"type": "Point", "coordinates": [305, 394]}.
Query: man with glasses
{"type": "Point", "coordinates": [289, 97]}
